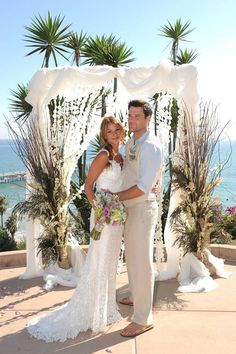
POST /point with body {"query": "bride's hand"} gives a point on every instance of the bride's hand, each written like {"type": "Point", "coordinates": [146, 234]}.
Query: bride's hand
{"type": "Point", "coordinates": [106, 190]}
{"type": "Point", "coordinates": [155, 188]}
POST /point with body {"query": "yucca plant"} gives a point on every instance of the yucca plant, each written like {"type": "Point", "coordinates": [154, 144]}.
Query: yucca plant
{"type": "Point", "coordinates": [76, 42]}
{"type": "Point", "coordinates": [107, 50]}
{"type": "Point", "coordinates": [195, 179]}
{"type": "Point", "coordinates": [186, 56]}
{"type": "Point", "coordinates": [46, 35]}
{"type": "Point", "coordinates": [176, 32]}
{"type": "Point", "coordinates": [18, 105]}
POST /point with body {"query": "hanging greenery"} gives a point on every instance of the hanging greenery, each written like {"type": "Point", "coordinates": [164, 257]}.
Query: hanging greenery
{"type": "Point", "coordinates": [50, 154]}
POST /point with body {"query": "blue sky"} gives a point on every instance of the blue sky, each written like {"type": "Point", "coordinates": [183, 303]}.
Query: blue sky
{"type": "Point", "coordinates": [137, 23]}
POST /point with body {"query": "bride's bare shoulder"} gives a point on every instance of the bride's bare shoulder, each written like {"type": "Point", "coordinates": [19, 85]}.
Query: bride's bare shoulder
{"type": "Point", "coordinates": [102, 157]}
{"type": "Point", "coordinates": [103, 152]}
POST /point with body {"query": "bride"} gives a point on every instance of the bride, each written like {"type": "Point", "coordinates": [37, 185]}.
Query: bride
{"type": "Point", "coordinates": [93, 304]}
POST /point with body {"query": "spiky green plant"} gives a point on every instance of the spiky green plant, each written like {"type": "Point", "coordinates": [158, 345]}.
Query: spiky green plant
{"type": "Point", "coordinates": [186, 56]}
{"type": "Point", "coordinates": [177, 32]}
{"type": "Point", "coordinates": [47, 36]}
{"type": "Point", "coordinates": [20, 108]}
{"type": "Point", "coordinates": [194, 179]}
{"type": "Point", "coordinates": [76, 42]}
{"type": "Point", "coordinates": [95, 145]}
{"type": "Point", "coordinates": [107, 50]}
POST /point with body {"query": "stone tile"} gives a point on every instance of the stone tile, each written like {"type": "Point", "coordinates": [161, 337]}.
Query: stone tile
{"type": "Point", "coordinates": [189, 323]}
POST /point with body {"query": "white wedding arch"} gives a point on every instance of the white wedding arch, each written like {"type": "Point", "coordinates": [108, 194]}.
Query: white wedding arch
{"type": "Point", "coordinates": [142, 82]}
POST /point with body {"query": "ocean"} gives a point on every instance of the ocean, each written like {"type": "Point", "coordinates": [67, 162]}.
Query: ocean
{"type": "Point", "coordinates": [15, 190]}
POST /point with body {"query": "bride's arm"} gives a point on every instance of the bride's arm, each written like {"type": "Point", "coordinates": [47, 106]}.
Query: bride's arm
{"type": "Point", "coordinates": [97, 166]}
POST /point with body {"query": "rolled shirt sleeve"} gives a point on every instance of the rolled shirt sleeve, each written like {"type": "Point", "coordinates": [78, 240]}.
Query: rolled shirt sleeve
{"type": "Point", "coordinates": [150, 163]}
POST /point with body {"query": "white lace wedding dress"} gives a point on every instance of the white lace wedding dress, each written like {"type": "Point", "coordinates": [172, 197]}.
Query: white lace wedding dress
{"type": "Point", "coordinates": [93, 304]}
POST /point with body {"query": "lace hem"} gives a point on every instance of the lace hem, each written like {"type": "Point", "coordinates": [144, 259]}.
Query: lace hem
{"type": "Point", "coordinates": [38, 328]}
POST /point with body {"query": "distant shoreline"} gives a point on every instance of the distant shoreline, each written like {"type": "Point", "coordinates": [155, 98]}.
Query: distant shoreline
{"type": "Point", "coordinates": [16, 191]}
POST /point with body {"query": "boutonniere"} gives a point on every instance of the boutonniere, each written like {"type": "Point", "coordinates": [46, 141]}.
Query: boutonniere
{"type": "Point", "coordinates": [132, 153]}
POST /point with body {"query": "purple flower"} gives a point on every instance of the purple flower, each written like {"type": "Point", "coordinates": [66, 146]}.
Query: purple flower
{"type": "Point", "coordinates": [106, 212]}
{"type": "Point", "coordinates": [231, 210]}
{"type": "Point", "coordinates": [109, 210]}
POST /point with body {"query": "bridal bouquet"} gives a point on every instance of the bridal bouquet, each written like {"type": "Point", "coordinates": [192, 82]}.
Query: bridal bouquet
{"type": "Point", "coordinates": [108, 210]}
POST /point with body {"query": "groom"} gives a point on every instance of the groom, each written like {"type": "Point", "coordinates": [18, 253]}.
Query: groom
{"type": "Point", "coordinates": [141, 167]}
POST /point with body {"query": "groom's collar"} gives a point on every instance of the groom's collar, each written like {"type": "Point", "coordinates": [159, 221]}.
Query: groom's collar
{"type": "Point", "coordinates": [141, 139]}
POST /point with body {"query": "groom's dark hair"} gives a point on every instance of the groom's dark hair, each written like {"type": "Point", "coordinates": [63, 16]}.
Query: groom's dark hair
{"type": "Point", "coordinates": [147, 110]}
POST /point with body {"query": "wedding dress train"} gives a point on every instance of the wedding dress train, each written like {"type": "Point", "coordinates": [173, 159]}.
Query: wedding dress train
{"type": "Point", "coordinates": [93, 304]}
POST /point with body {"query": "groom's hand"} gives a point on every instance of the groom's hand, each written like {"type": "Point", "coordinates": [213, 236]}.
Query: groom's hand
{"type": "Point", "coordinates": [131, 193]}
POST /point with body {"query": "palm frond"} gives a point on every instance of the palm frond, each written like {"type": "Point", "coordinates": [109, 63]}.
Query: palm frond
{"type": "Point", "coordinates": [46, 35]}
{"type": "Point", "coordinates": [95, 146]}
{"type": "Point", "coordinates": [186, 56]}
{"type": "Point", "coordinates": [106, 50]}
{"type": "Point", "coordinates": [178, 31]}
{"type": "Point", "coordinates": [18, 105]}
{"type": "Point", "coordinates": [76, 43]}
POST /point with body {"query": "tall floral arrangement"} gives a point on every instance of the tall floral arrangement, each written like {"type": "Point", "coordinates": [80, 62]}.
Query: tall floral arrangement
{"type": "Point", "coordinates": [195, 177]}
{"type": "Point", "coordinates": [50, 154]}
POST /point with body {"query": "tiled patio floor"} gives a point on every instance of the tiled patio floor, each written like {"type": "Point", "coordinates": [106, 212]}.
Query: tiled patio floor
{"type": "Point", "coordinates": [189, 323]}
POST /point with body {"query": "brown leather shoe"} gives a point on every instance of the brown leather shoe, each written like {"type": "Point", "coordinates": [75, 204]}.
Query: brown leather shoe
{"type": "Point", "coordinates": [126, 301]}
{"type": "Point", "coordinates": [135, 329]}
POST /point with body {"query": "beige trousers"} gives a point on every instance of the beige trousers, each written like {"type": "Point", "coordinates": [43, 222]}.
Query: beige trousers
{"type": "Point", "coordinates": [138, 234]}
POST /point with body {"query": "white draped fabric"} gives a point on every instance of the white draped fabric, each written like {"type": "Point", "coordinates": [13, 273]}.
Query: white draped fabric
{"type": "Point", "coordinates": [180, 81]}
{"type": "Point", "coordinates": [54, 275]}
{"type": "Point", "coordinates": [195, 277]}
{"type": "Point", "coordinates": [141, 82]}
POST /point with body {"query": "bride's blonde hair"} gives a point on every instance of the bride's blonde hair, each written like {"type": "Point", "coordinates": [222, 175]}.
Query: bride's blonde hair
{"type": "Point", "coordinates": [103, 132]}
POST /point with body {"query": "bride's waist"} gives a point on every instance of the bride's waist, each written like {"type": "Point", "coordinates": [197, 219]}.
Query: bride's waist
{"type": "Point", "coordinates": [107, 188]}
